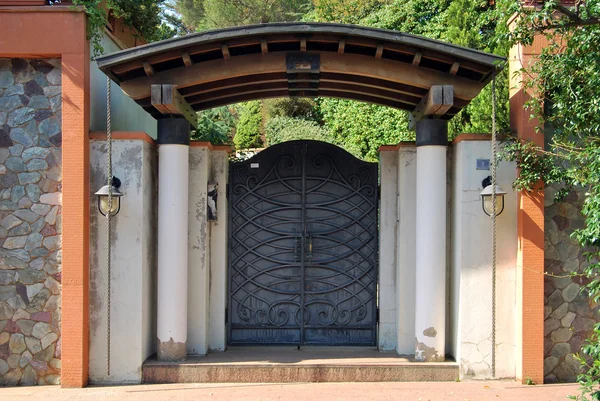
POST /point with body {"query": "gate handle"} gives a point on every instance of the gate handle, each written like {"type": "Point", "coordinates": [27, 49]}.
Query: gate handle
{"type": "Point", "coordinates": [310, 248]}
{"type": "Point", "coordinates": [297, 249]}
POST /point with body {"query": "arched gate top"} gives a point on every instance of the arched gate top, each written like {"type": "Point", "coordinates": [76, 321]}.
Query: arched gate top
{"type": "Point", "coordinates": [225, 66]}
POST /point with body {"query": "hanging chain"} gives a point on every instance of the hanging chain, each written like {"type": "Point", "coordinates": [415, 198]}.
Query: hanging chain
{"type": "Point", "coordinates": [108, 216]}
{"type": "Point", "coordinates": [494, 145]}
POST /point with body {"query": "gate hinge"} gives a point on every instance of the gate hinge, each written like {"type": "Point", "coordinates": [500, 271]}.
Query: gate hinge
{"type": "Point", "coordinates": [377, 315]}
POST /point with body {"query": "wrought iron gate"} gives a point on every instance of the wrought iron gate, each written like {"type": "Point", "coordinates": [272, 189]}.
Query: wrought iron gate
{"type": "Point", "coordinates": [303, 247]}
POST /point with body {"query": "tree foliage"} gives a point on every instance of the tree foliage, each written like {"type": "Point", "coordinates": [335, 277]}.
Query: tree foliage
{"type": "Point", "coordinates": [470, 23]}
{"type": "Point", "coordinates": [361, 128]}
{"type": "Point", "coordinates": [248, 133]}
{"type": "Point", "coordinates": [215, 125]}
{"type": "Point", "coordinates": [146, 16]}
{"type": "Point", "coordinates": [207, 14]}
{"type": "Point", "coordinates": [281, 129]}
{"type": "Point", "coordinates": [292, 107]}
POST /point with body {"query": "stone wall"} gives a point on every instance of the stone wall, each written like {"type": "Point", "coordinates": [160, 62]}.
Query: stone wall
{"type": "Point", "coordinates": [30, 221]}
{"type": "Point", "coordinates": [569, 316]}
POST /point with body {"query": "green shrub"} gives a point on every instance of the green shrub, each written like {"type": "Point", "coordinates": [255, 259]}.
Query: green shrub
{"type": "Point", "coordinates": [283, 129]}
{"type": "Point", "coordinates": [249, 126]}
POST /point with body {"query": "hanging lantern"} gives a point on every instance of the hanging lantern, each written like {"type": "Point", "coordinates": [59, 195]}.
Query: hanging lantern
{"type": "Point", "coordinates": [487, 201]}
{"type": "Point", "coordinates": [102, 194]}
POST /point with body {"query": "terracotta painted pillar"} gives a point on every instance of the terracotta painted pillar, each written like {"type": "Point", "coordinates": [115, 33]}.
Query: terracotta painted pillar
{"type": "Point", "coordinates": [530, 226]}
{"type": "Point", "coordinates": [430, 289]}
{"type": "Point", "coordinates": [173, 172]}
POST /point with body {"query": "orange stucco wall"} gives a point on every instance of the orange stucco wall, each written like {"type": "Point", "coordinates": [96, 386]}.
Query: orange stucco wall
{"type": "Point", "coordinates": [530, 230]}
{"type": "Point", "coordinates": [59, 31]}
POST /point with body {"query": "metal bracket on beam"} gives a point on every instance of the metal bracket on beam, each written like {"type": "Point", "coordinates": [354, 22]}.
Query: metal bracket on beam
{"type": "Point", "coordinates": [167, 99]}
{"type": "Point", "coordinates": [435, 103]}
{"type": "Point", "coordinates": [303, 73]}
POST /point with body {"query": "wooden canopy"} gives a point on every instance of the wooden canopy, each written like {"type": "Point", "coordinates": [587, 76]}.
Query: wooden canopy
{"type": "Point", "coordinates": [220, 67]}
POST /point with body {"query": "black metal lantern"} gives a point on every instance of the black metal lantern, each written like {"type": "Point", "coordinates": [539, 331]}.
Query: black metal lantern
{"type": "Point", "coordinates": [487, 201]}
{"type": "Point", "coordinates": [103, 204]}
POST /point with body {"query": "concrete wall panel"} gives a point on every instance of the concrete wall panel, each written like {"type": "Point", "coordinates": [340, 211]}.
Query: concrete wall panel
{"type": "Point", "coordinates": [471, 289]}
{"type": "Point", "coordinates": [133, 263]}
{"type": "Point", "coordinates": [199, 252]}
{"type": "Point", "coordinates": [406, 249]}
{"type": "Point", "coordinates": [218, 253]}
{"type": "Point", "coordinates": [388, 221]}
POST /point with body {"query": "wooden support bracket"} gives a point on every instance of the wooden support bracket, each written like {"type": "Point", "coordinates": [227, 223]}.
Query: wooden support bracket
{"type": "Point", "coordinates": [454, 68]}
{"type": "Point", "coordinates": [225, 51]}
{"type": "Point", "coordinates": [167, 100]}
{"type": "Point", "coordinates": [417, 59]}
{"type": "Point", "coordinates": [187, 59]}
{"type": "Point", "coordinates": [148, 69]}
{"type": "Point", "coordinates": [436, 103]}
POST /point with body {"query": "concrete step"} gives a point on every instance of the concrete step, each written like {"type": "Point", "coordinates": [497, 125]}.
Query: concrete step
{"type": "Point", "coordinates": [289, 365]}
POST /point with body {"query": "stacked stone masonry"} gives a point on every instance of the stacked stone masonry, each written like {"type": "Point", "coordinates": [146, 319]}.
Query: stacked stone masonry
{"type": "Point", "coordinates": [30, 221]}
{"type": "Point", "coordinates": [569, 314]}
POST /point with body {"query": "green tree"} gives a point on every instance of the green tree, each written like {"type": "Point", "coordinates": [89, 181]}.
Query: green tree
{"type": "Point", "coordinates": [248, 133]}
{"type": "Point", "coordinates": [346, 11]}
{"type": "Point", "coordinates": [207, 14]}
{"type": "Point", "coordinates": [191, 13]}
{"type": "Point", "coordinates": [292, 107]}
{"type": "Point", "coordinates": [147, 16]}
{"type": "Point", "coordinates": [470, 23]}
{"type": "Point", "coordinates": [215, 125]}
{"type": "Point", "coordinates": [361, 128]}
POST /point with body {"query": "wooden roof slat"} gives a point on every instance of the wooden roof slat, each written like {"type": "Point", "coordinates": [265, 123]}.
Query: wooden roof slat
{"type": "Point", "coordinates": [390, 68]}
{"type": "Point", "coordinates": [244, 35]}
{"type": "Point", "coordinates": [330, 63]}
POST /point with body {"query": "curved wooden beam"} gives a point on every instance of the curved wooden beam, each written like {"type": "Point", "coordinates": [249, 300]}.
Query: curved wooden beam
{"type": "Point", "coordinates": [270, 63]}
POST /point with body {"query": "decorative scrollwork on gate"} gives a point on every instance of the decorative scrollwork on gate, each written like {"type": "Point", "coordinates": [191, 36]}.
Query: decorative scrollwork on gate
{"type": "Point", "coordinates": [321, 203]}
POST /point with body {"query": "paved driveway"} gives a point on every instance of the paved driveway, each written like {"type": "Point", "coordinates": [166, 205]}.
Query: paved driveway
{"type": "Point", "coordinates": [464, 391]}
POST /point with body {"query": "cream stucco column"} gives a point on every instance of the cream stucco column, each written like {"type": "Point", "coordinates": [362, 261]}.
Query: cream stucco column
{"type": "Point", "coordinates": [430, 300]}
{"type": "Point", "coordinates": [388, 213]}
{"type": "Point", "coordinates": [173, 171]}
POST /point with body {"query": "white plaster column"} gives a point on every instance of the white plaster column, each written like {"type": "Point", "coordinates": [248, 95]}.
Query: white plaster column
{"type": "Point", "coordinates": [406, 249]}
{"type": "Point", "coordinates": [173, 171]}
{"type": "Point", "coordinates": [218, 253]}
{"type": "Point", "coordinates": [199, 254]}
{"type": "Point", "coordinates": [388, 167]}
{"type": "Point", "coordinates": [430, 283]}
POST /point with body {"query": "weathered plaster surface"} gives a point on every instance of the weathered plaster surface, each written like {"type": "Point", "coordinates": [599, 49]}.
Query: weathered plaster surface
{"type": "Point", "coordinates": [388, 165]}
{"type": "Point", "coordinates": [406, 250]}
{"type": "Point", "coordinates": [218, 254]}
{"type": "Point", "coordinates": [198, 252]}
{"type": "Point", "coordinates": [569, 314]}
{"type": "Point", "coordinates": [431, 232]}
{"type": "Point", "coordinates": [171, 351]}
{"type": "Point", "coordinates": [30, 221]}
{"type": "Point", "coordinates": [471, 289]}
{"type": "Point", "coordinates": [133, 263]}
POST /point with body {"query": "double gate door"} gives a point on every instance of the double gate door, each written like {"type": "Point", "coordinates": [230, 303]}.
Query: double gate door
{"type": "Point", "coordinates": [303, 247]}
